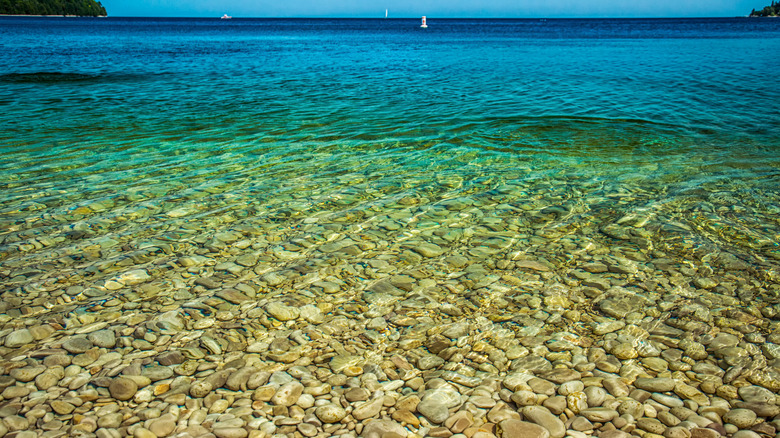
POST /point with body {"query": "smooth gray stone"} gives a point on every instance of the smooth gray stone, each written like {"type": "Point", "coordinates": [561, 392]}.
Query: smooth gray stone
{"type": "Point", "coordinates": [659, 384]}
{"type": "Point", "coordinates": [545, 418]}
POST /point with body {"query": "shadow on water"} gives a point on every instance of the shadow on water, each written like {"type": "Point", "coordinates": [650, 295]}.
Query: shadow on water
{"type": "Point", "coordinates": [47, 77]}
{"type": "Point", "coordinates": [53, 77]}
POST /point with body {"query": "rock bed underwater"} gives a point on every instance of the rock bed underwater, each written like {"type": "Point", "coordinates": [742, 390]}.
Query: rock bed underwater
{"type": "Point", "coordinates": [520, 304]}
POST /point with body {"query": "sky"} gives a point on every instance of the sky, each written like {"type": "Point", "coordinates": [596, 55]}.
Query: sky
{"type": "Point", "coordinates": [433, 8]}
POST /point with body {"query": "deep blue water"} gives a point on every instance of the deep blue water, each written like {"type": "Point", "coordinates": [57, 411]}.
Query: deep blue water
{"type": "Point", "coordinates": [119, 115]}
{"type": "Point", "coordinates": [698, 74]}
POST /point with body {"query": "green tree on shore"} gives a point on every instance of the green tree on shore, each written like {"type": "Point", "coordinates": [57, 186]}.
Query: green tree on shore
{"type": "Point", "coordinates": [772, 10]}
{"type": "Point", "coordinates": [84, 8]}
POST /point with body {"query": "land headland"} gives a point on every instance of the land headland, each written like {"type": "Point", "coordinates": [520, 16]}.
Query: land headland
{"type": "Point", "coordinates": [772, 10]}
{"type": "Point", "coordinates": [68, 8]}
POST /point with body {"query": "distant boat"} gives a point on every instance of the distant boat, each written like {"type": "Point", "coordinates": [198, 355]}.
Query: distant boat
{"type": "Point", "coordinates": [225, 17]}
{"type": "Point", "coordinates": [424, 26]}
{"type": "Point", "coordinates": [385, 13]}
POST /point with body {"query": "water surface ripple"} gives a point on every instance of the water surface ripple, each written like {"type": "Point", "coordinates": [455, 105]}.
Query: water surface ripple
{"type": "Point", "coordinates": [127, 128]}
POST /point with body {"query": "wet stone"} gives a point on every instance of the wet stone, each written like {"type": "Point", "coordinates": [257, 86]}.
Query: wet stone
{"type": "Point", "coordinates": [287, 394]}
{"type": "Point", "coordinates": [312, 314]}
{"type": "Point", "coordinates": [281, 311]}
{"type": "Point", "coordinates": [232, 296]}
{"type": "Point", "coordinates": [742, 418]}
{"type": "Point", "coordinates": [532, 265]}
{"type": "Point", "coordinates": [535, 364]}
{"type": "Point", "coordinates": [16, 423]}
{"type": "Point", "coordinates": [273, 278]}
{"type": "Point", "coordinates": [247, 260]}
{"type": "Point", "coordinates": [330, 413]}
{"type": "Point", "coordinates": [163, 426]}
{"type": "Point", "coordinates": [40, 332]}
{"type": "Point", "coordinates": [542, 386]}
{"type": "Point", "coordinates": [429, 249]}
{"type": "Point", "coordinates": [409, 403]}
{"type": "Point", "coordinates": [207, 282]}
{"type": "Point", "coordinates": [561, 375]}
{"type": "Point", "coordinates": [123, 388]}
{"type": "Point", "coordinates": [61, 407]}
{"type": "Point", "coordinates": [357, 394]}
{"type": "Point", "coordinates": [631, 407]}
{"type": "Point", "coordinates": [26, 374]}
{"type": "Point", "coordinates": [625, 351]}
{"type": "Point", "coordinates": [668, 419]}
{"type": "Point", "coordinates": [556, 404]}
{"type": "Point", "coordinates": [768, 378]}
{"type": "Point", "coordinates": [756, 394]}
{"type": "Point", "coordinates": [688, 392]}
{"type": "Point", "coordinates": [102, 338]}
{"type": "Point", "coordinates": [699, 432]}
{"type": "Point", "coordinates": [77, 344]}
{"type": "Point", "coordinates": [328, 287]}
{"type": "Point", "coordinates": [596, 396]}
{"type": "Point", "coordinates": [677, 432]}
{"type": "Point", "coordinates": [156, 373]}
{"type": "Point", "coordinates": [16, 391]}
{"type": "Point", "coordinates": [661, 384]}
{"type": "Point", "coordinates": [667, 400]}
{"type": "Point", "coordinates": [577, 402]}
{"type": "Point", "coordinates": [429, 362]}
{"type": "Point", "coordinates": [47, 379]}
{"type": "Point", "coordinates": [368, 409]}
{"type": "Point", "coordinates": [455, 331]}
{"type": "Point", "coordinates": [581, 424]}
{"type": "Point", "coordinates": [18, 338]}
{"type": "Point", "coordinates": [547, 420]}
{"type": "Point", "coordinates": [383, 429]}
{"type": "Point", "coordinates": [600, 414]}
{"type": "Point", "coordinates": [620, 307]}
{"type": "Point", "coordinates": [142, 432]}
{"type": "Point", "coordinates": [55, 425]}
{"type": "Point", "coordinates": [435, 404]}
{"type": "Point", "coordinates": [307, 429]}
{"type": "Point", "coordinates": [170, 358]}
{"type": "Point", "coordinates": [200, 389]}
{"type": "Point", "coordinates": [109, 420]}
{"type": "Point", "coordinates": [230, 432]}
{"type": "Point", "coordinates": [761, 409]}
{"type": "Point", "coordinates": [404, 416]}
{"type": "Point", "coordinates": [651, 425]}
{"type": "Point", "coordinates": [594, 268]}
{"type": "Point", "coordinates": [459, 422]}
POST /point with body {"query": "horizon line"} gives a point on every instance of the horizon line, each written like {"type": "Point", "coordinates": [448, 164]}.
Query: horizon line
{"type": "Point", "coordinates": [416, 17]}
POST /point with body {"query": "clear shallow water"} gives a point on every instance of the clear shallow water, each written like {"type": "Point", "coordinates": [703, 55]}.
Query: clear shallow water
{"type": "Point", "coordinates": [119, 134]}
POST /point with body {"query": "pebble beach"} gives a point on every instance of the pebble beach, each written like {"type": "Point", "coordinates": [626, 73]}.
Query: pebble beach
{"type": "Point", "coordinates": [304, 283]}
{"type": "Point", "coordinates": [493, 313]}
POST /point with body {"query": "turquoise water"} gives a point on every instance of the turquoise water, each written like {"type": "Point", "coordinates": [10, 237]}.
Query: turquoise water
{"type": "Point", "coordinates": [122, 136]}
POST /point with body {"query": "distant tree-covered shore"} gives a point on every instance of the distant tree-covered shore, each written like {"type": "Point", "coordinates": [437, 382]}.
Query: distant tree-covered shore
{"type": "Point", "coordinates": [772, 10]}
{"type": "Point", "coordinates": [82, 8]}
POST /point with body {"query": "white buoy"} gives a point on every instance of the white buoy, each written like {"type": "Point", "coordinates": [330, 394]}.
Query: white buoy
{"type": "Point", "coordinates": [424, 26]}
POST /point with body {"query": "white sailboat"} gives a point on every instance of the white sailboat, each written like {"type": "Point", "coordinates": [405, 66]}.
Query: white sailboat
{"type": "Point", "coordinates": [424, 25]}
{"type": "Point", "coordinates": [385, 13]}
